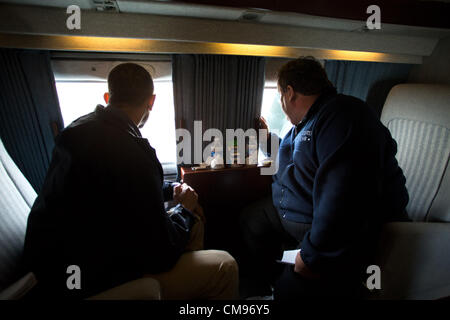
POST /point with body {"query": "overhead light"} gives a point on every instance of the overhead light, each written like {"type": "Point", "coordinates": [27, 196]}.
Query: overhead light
{"type": "Point", "coordinates": [109, 44]}
{"type": "Point", "coordinates": [253, 14]}
{"type": "Point", "coordinates": [106, 5]}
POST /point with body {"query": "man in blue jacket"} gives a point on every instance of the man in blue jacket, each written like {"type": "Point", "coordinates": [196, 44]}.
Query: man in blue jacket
{"type": "Point", "coordinates": [338, 181]}
{"type": "Point", "coordinates": [101, 208]}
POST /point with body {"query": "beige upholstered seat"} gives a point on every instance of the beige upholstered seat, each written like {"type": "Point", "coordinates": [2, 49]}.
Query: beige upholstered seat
{"type": "Point", "coordinates": [16, 198]}
{"type": "Point", "coordinates": [414, 257]}
{"type": "Point", "coordinates": [140, 289]}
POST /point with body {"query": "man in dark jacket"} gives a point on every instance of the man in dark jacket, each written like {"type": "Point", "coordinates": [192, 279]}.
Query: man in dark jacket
{"type": "Point", "coordinates": [338, 181]}
{"type": "Point", "coordinates": [101, 208]}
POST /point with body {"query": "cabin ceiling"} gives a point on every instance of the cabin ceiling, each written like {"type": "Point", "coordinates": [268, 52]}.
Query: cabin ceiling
{"type": "Point", "coordinates": [402, 17]}
{"type": "Point", "coordinates": [425, 13]}
{"type": "Point", "coordinates": [285, 28]}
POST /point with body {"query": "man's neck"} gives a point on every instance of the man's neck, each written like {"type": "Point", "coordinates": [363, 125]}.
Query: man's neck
{"type": "Point", "coordinates": [132, 113]}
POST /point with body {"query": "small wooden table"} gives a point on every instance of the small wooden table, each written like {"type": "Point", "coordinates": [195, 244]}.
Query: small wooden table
{"type": "Point", "coordinates": [223, 193]}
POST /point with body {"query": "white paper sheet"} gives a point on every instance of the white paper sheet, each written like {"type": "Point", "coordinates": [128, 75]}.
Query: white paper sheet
{"type": "Point", "coordinates": [289, 256]}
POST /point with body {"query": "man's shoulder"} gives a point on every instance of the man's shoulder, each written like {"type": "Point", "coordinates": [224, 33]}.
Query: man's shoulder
{"type": "Point", "coordinates": [342, 114]}
{"type": "Point", "coordinates": [349, 99]}
{"type": "Point", "coordinates": [89, 127]}
{"type": "Point", "coordinates": [87, 134]}
{"type": "Point", "coordinates": [345, 107]}
{"type": "Point", "coordinates": [84, 123]}
{"type": "Point", "coordinates": [345, 103]}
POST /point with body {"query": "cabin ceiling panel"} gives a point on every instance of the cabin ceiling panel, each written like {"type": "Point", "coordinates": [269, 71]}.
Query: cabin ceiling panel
{"type": "Point", "coordinates": [177, 9]}
{"type": "Point", "coordinates": [52, 21]}
{"type": "Point", "coordinates": [301, 14]}
{"type": "Point", "coordinates": [83, 4]}
{"type": "Point", "coordinates": [426, 13]}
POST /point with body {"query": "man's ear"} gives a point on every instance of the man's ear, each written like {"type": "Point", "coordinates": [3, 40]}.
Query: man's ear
{"type": "Point", "coordinates": [151, 101]}
{"type": "Point", "coordinates": [290, 93]}
{"type": "Point", "coordinates": [106, 97]}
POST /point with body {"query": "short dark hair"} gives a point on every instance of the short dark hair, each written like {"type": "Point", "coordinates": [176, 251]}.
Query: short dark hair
{"type": "Point", "coordinates": [129, 84]}
{"type": "Point", "coordinates": [305, 75]}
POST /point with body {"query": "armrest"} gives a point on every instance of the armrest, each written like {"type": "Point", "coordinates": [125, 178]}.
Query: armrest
{"type": "Point", "coordinates": [19, 288]}
{"type": "Point", "coordinates": [140, 289]}
{"type": "Point", "coordinates": [414, 258]}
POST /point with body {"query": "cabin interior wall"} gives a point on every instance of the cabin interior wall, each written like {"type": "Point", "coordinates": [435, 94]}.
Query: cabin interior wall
{"type": "Point", "coordinates": [435, 68]}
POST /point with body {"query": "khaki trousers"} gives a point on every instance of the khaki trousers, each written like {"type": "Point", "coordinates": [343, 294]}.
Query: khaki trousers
{"type": "Point", "coordinates": [200, 274]}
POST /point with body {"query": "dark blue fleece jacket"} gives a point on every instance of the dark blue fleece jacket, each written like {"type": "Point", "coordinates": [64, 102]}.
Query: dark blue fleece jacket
{"type": "Point", "coordinates": [338, 172]}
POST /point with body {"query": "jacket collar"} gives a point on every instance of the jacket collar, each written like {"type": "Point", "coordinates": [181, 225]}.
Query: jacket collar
{"type": "Point", "coordinates": [118, 118]}
{"type": "Point", "coordinates": [316, 106]}
{"type": "Point", "coordinates": [320, 101]}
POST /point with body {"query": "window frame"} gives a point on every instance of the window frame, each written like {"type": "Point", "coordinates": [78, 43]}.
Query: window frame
{"type": "Point", "coordinates": [169, 168]}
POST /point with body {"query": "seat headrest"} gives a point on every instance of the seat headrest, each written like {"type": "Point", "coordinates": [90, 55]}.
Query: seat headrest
{"type": "Point", "coordinates": [428, 103]}
{"type": "Point", "coordinates": [16, 198]}
{"type": "Point", "coordinates": [418, 117]}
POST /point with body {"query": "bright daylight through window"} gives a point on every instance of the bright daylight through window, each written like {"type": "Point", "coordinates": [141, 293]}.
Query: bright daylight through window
{"type": "Point", "coordinates": [79, 97]}
{"type": "Point", "coordinates": [272, 112]}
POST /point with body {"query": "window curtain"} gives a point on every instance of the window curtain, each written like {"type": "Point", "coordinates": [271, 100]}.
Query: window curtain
{"type": "Point", "coordinates": [30, 116]}
{"type": "Point", "coordinates": [369, 81]}
{"type": "Point", "coordinates": [224, 92]}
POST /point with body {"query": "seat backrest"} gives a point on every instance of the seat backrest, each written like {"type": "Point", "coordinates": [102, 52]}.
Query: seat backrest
{"type": "Point", "coordinates": [16, 198]}
{"type": "Point", "coordinates": [418, 117]}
